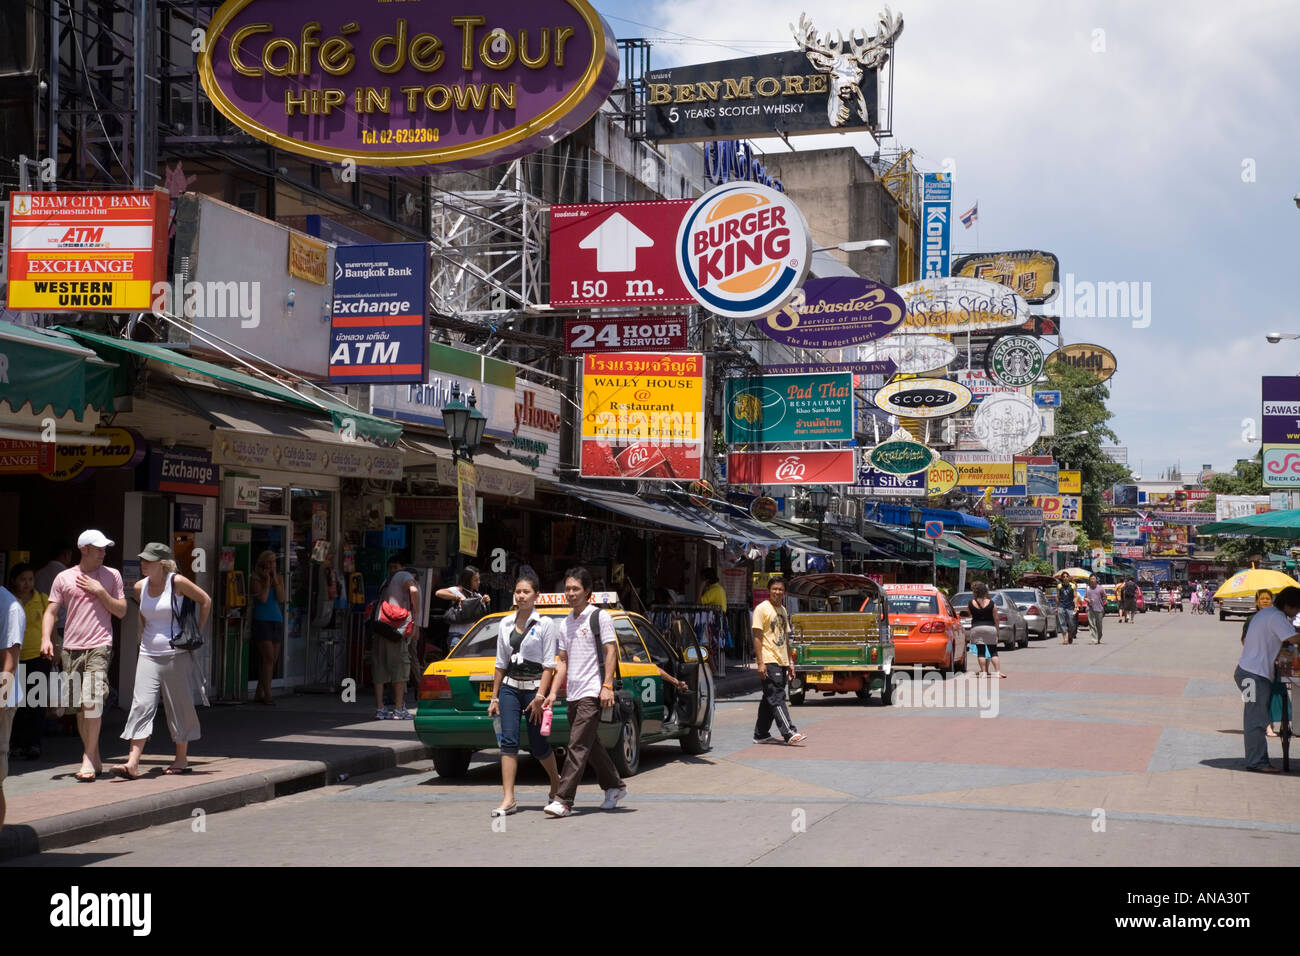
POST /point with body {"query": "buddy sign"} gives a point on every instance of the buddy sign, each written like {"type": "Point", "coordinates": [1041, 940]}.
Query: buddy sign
{"type": "Point", "coordinates": [388, 84]}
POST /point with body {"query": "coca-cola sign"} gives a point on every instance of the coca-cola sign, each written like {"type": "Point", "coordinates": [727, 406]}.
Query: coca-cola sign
{"type": "Point", "coordinates": [792, 467]}
{"type": "Point", "coordinates": [833, 313]}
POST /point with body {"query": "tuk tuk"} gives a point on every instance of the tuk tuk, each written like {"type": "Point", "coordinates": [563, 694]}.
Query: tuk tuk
{"type": "Point", "coordinates": [843, 645]}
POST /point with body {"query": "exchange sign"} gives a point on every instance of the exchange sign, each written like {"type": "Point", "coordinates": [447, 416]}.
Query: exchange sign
{"type": "Point", "coordinates": [743, 250]}
{"type": "Point", "coordinates": [617, 254]}
{"type": "Point", "coordinates": [383, 85]}
{"type": "Point", "coordinates": [923, 397]}
{"type": "Point", "coordinates": [379, 325]}
{"type": "Point", "coordinates": [643, 416]}
{"type": "Point", "coordinates": [777, 408]}
{"type": "Point", "coordinates": [833, 313]}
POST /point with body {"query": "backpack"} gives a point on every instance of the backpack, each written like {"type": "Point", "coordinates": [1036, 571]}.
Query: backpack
{"type": "Point", "coordinates": [388, 620]}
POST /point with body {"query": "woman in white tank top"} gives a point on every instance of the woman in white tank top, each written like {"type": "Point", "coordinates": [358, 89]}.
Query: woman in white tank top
{"type": "Point", "coordinates": [161, 670]}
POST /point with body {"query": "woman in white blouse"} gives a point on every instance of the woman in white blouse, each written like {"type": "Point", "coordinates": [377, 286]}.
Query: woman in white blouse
{"type": "Point", "coordinates": [525, 667]}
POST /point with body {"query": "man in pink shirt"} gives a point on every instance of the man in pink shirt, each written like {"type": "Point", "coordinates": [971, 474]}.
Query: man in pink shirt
{"type": "Point", "coordinates": [93, 596]}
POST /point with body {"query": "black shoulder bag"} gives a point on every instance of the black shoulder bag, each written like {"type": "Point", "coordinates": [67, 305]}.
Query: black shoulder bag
{"type": "Point", "coordinates": [189, 638]}
{"type": "Point", "coordinates": [624, 707]}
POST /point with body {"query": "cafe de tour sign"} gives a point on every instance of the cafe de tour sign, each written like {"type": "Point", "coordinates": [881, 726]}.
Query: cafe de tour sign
{"type": "Point", "coordinates": [900, 454]}
{"type": "Point", "coordinates": [408, 85]}
{"type": "Point", "coordinates": [1092, 358]}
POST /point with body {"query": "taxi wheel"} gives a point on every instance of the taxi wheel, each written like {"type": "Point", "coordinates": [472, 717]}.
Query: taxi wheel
{"type": "Point", "coordinates": [627, 752]}
{"type": "Point", "coordinates": [451, 764]}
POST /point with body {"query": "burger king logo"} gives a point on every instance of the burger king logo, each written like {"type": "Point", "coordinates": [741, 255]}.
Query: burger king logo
{"type": "Point", "coordinates": [743, 250]}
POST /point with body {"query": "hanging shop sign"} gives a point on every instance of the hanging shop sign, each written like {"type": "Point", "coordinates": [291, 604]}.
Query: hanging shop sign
{"type": "Point", "coordinates": [467, 508]}
{"type": "Point", "coordinates": [346, 460]}
{"type": "Point", "coordinates": [874, 483]}
{"type": "Point", "coordinates": [826, 86]}
{"type": "Point", "coordinates": [1280, 423]}
{"type": "Point", "coordinates": [539, 413]}
{"type": "Point", "coordinates": [883, 369]}
{"type": "Point", "coordinates": [791, 468]}
{"type": "Point", "coordinates": [910, 353]}
{"type": "Point", "coordinates": [923, 397]}
{"type": "Point", "coordinates": [900, 454]}
{"type": "Point", "coordinates": [743, 250]}
{"type": "Point", "coordinates": [775, 408]}
{"type": "Point", "coordinates": [666, 333]}
{"type": "Point", "coordinates": [1034, 275]}
{"type": "Point", "coordinates": [1014, 360]}
{"type": "Point", "coordinates": [942, 477]}
{"type": "Point", "coordinates": [1281, 466]}
{"type": "Point", "coordinates": [1069, 482]}
{"type": "Point", "coordinates": [125, 449]}
{"type": "Point", "coordinates": [489, 480]}
{"type": "Point", "coordinates": [984, 474]}
{"type": "Point", "coordinates": [763, 508]}
{"type": "Point", "coordinates": [380, 85]}
{"type": "Point", "coordinates": [27, 457]}
{"type": "Point", "coordinates": [936, 224]}
{"type": "Point", "coordinates": [1057, 507]}
{"type": "Point", "coordinates": [643, 416]}
{"type": "Point", "coordinates": [960, 305]}
{"type": "Point", "coordinates": [1023, 515]}
{"type": "Point", "coordinates": [183, 471]}
{"type": "Point", "coordinates": [1047, 398]}
{"type": "Point", "coordinates": [833, 313]}
{"type": "Point", "coordinates": [605, 254]}
{"type": "Point", "coordinates": [1043, 479]}
{"type": "Point", "coordinates": [1093, 358]}
{"type": "Point", "coordinates": [379, 320]}
{"type": "Point", "coordinates": [308, 259]}
{"type": "Point", "coordinates": [981, 385]}
{"type": "Point", "coordinates": [86, 251]}
{"type": "Point", "coordinates": [728, 161]}
{"type": "Point", "coordinates": [1007, 424]}
{"type": "Point", "coordinates": [492, 382]}
{"type": "Point", "coordinates": [1061, 534]}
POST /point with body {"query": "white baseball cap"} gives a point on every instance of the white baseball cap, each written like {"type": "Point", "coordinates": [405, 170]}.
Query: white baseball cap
{"type": "Point", "coordinates": [94, 539]}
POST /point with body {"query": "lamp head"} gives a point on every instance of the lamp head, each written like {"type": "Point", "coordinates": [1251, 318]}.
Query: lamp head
{"type": "Point", "coordinates": [1275, 337]}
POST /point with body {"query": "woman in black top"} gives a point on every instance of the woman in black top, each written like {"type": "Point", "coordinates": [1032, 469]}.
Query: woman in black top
{"type": "Point", "coordinates": [984, 628]}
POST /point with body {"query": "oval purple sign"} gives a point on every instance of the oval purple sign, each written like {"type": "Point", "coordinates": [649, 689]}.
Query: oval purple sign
{"type": "Point", "coordinates": [833, 313]}
{"type": "Point", "coordinates": [387, 84]}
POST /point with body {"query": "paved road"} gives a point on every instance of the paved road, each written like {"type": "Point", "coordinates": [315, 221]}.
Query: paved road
{"type": "Point", "coordinates": [1125, 753]}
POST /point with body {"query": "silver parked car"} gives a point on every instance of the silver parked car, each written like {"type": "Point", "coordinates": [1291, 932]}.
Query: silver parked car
{"type": "Point", "coordinates": [1038, 611]}
{"type": "Point", "coordinates": [1012, 628]}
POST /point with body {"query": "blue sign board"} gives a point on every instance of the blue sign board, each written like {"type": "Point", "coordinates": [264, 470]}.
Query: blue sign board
{"type": "Point", "coordinates": [934, 529]}
{"type": "Point", "coordinates": [187, 517]}
{"type": "Point", "coordinates": [912, 486]}
{"type": "Point", "coordinates": [936, 225]}
{"type": "Point", "coordinates": [1049, 399]}
{"type": "Point", "coordinates": [379, 320]}
{"type": "Point", "coordinates": [1043, 479]}
{"type": "Point", "coordinates": [394, 537]}
{"type": "Point", "coordinates": [1009, 491]}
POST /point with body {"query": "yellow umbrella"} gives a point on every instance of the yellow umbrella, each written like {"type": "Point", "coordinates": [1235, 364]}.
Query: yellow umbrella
{"type": "Point", "coordinates": [1246, 583]}
{"type": "Point", "coordinates": [1076, 573]}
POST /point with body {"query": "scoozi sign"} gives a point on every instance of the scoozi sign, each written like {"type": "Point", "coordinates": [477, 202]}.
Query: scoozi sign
{"type": "Point", "coordinates": [385, 84]}
{"type": "Point", "coordinates": [923, 397]}
{"type": "Point", "coordinates": [743, 250]}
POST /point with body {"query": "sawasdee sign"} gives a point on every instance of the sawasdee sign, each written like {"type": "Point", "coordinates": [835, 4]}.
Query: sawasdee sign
{"type": "Point", "coordinates": [779, 408]}
{"type": "Point", "coordinates": [642, 415]}
{"type": "Point", "coordinates": [833, 313]}
{"type": "Point", "coordinates": [923, 397]}
{"type": "Point", "coordinates": [743, 250]}
{"type": "Point", "coordinates": [387, 84]}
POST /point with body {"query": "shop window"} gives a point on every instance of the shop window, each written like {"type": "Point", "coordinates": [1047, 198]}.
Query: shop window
{"type": "Point", "coordinates": [270, 500]}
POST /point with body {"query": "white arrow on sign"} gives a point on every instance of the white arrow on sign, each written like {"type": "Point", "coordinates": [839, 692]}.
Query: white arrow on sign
{"type": "Point", "coordinates": [616, 241]}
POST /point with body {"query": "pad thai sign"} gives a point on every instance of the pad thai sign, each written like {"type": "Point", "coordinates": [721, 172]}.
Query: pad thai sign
{"type": "Point", "coordinates": [388, 84]}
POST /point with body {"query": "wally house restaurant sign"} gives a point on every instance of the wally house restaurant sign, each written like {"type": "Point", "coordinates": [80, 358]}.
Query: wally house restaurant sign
{"type": "Point", "coordinates": [410, 84]}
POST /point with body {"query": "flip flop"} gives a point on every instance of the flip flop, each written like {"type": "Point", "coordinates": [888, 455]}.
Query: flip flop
{"type": "Point", "coordinates": [177, 771]}
{"type": "Point", "coordinates": [124, 773]}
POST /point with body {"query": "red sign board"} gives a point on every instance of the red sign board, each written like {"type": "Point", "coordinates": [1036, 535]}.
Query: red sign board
{"type": "Point", "coordinates": [27, 457]}
{"type": "Point", "coordinates": [665, 333]}
{"type": "Point", "coordinates": [617, 254]}
{"type": "Point", "coordinates": [792, 468]}
{"type": "Point", "coordinates": [1034, 460]}
{"type": "Point", "coordinates": [425, 509]}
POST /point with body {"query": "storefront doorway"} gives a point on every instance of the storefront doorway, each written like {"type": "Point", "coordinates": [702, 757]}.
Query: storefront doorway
{"type": "Point", "coordinates": [270, 540]}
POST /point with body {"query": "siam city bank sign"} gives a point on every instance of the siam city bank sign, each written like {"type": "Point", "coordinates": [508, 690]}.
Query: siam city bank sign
{"type": "Point", "coordinates": [385, 84]}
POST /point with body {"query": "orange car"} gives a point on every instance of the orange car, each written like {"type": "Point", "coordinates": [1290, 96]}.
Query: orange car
{"type": "Point", "coordinates": [927, 630]}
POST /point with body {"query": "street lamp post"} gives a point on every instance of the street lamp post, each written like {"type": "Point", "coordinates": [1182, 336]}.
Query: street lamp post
{"type": "Point", "coordinates": [464, 425]}
{"type": "Point", "coordinates": [915, 514]}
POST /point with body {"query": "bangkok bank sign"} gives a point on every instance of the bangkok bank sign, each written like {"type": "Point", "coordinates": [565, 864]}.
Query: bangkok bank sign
{"type": "Point", "coordinates": [743, 250]}
{"type": "Point", "coordinates": [386, 84]}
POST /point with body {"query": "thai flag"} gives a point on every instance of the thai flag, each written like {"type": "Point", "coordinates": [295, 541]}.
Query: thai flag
{"type": "Point", "coordinates": [970, 215]}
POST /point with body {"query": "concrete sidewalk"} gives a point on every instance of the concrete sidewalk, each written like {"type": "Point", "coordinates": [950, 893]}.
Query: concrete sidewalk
{"type": "Point", "coordinates": [249, 753]}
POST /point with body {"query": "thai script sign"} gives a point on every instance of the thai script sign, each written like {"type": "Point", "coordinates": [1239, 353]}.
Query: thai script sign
{"type": "Point", "coordinates": [833, 313]}
{"type": "Point", "coordinates": [1035, 275]}
{"type": "Point", "coordinates": [779, 408]}
{"type": "Point", "coordinates": [346, 460]}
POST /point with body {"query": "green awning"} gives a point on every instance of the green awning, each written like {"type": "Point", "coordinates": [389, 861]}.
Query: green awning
{"type": "Point", "coordinates": [47, 370]}
{"type": "Point", "coordinates": [975, 561]}
{"type": "Point", "coordinates": [366, 426]}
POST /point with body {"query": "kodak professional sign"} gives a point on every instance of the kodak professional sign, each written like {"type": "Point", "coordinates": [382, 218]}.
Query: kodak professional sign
{"type": "Point", "coordinates": [86, 252]}
{"type": "Point", "coordinates": [408, 84]}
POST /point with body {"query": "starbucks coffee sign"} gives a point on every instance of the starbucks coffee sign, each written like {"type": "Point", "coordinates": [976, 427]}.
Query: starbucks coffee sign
{"type": "Point", "coordinates": [1015, 360]}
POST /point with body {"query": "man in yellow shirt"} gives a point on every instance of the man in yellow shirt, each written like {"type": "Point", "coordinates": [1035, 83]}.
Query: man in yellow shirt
{"type": "Point", "coordinates": [713, 593]}
{"type": "Point", "coordinates": [771, 627]}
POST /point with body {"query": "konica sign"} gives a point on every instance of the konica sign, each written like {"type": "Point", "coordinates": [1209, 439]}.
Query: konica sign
{"type": "Point", "coordinates": [743, 250]}
{"type": "Point", "coordinates": [936, 224]}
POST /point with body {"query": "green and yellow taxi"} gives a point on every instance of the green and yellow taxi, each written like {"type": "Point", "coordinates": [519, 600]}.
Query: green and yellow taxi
{"type": "Point", "coordinates": [452, 718]}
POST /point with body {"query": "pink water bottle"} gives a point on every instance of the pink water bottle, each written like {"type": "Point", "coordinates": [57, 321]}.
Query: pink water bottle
{"type": "Point", "coordinates": [546, 722]}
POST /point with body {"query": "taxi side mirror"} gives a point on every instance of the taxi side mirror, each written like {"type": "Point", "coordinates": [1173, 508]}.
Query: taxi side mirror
{"type": "Point", "coordinates": [695, 655]}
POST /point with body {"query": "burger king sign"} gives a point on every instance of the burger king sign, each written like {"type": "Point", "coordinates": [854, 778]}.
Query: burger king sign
{"type": "Point", "coordinates": [743, 250]}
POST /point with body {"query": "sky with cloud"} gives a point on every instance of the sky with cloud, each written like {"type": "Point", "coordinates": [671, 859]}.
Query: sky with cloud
{"type": "Point", "coordinates": [1154, 143]}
